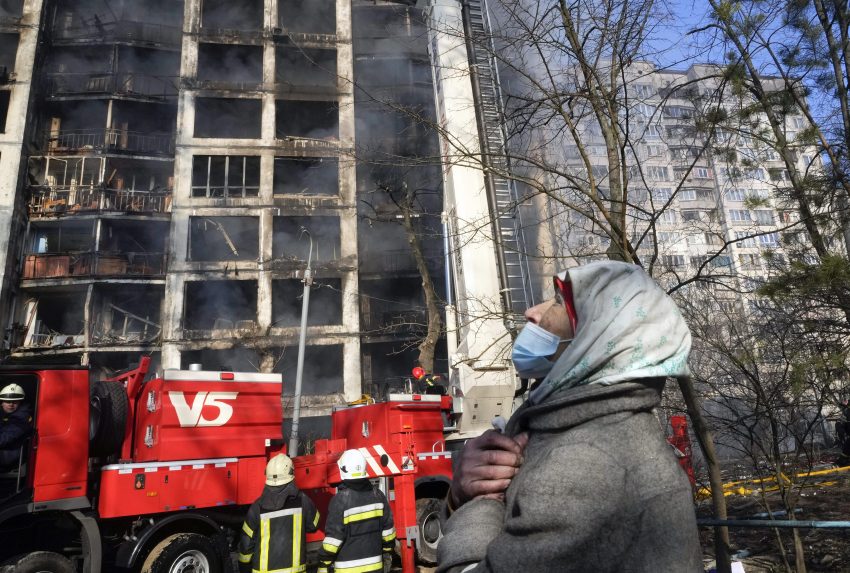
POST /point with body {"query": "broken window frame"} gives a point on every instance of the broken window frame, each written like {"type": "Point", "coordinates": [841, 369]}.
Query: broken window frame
{"type": "Point", "coordinates": [226, 191]}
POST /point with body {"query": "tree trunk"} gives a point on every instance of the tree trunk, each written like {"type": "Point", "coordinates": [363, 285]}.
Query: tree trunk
{"type": "Point", "coordinates": [706, 444]}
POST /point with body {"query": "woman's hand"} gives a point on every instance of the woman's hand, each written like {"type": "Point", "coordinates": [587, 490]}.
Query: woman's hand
{"type": "Point", "coordinates": [487, 465]}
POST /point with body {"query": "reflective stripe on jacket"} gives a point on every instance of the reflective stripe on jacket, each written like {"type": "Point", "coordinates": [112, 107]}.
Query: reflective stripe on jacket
{"type": "Point", "coordinates": [358, 531]}
{"type": "Point", "coordinates": [273, 536]}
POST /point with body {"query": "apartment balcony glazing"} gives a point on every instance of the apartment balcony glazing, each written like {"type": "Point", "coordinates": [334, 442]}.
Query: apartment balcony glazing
{"type": "Point", "coordinates": [109, 140]}
{"type": "Point", "coordinates": [127, 84]}
{"type": "Point", "coordinates": [54, 201]}
{"type": "Point", "coordinates": [94, 265]}
{"type": "Point", "coordinates": [122, 31]}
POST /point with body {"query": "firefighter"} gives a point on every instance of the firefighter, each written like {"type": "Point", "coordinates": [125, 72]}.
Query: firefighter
{"type": "Point", "coordinates": [359, 533]}
{"type": "Point", "coordinates": [429, 383]}
{"type": "Point", "coordinates": [274, 533]}
{"type": "Point", "coordinates": [15, 425]}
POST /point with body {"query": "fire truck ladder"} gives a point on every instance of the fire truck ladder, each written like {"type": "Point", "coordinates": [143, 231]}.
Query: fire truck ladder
{"type": "Point", "coordinates": [504, 198]}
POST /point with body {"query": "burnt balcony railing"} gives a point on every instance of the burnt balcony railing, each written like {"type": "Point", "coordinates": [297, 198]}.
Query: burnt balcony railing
{"type": "Point", "coordinates": [77, 265]}
{"type": "Point", "coordinates": [388, 319]}
{"type": "Point", "coordinates": [46, 201]}
{"type": "Point", "coordinates": [112, 140]}
{"type": "Point", "coordinates": [121, 31]}
{"type": "Point", "coordinates": [399, 261]}
{"type": "Point", "coordinates": [125, 84]}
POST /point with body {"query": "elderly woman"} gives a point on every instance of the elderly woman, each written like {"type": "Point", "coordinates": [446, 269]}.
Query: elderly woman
{"type": "Point", "coordinates": [582, 480]}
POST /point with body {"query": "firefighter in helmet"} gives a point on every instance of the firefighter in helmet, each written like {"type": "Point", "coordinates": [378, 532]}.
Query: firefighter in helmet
{"type": "Point", "coordinates": [359, 532]}
{"type": "Point", "coordinates": [429, 383]}
{"type": "Point", "coordinates": [274, 533]}
{"type": "Point", "coordinates": [15, 425]}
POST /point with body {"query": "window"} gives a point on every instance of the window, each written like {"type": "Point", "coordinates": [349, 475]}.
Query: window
{"type": "Point", "coordinates": [736, 195]}
{"type": "Point", "coordinates": [758, 194]}
{"type": "Point", "coordinates": [645, 110]}
{"type": "Point", "coordinates": [673, 261]}
{"type": "Point", "coordinates": [770, 240]}
{"type": "Point", "coordinates": [652, 132]}
{"type": "Point", "coordinates": [740, 216]}
{"type": "Point", "coordinates": [779, 175]}
{"type": "Point", "coordinates": [668, 216]}
{"type": "Point", "coordinates": [764, 216]}
{"type": "Point", "coordinates": [228, 118]}
{"type": "Point", "coordinates": [787, 216]}
{"type": "Point", "coordinates": [750, 261]}
{"type": "Point", "coordinates": [697, 238]}
{"type": "Point", "coordinates": [797, 122]}
{"type": "Point", "coordinates": [225, 176]}
{"type": "Point", "coordinates": [655, 150]}
{"type": "Point", "coordinates": [702, 173]}
{"type": "Point", "coordinates": [657, 172]}
{"type": "Point", "coordinates": [662, 194]}
{"type": "Point", "coordinates": [643, 90]}
{"type": "Point", "coordinates": [691, 215]}
{"type": "Point", "coordinates": [669, 237]}
{"type": "Point", "coordinates": [756, 173]}
{"type": "Point", "coordinates": [744, 239]}
{"type": "Point", "coordinates": [721, 261]}
{"type": "Point", "coordinates": [688, 195]}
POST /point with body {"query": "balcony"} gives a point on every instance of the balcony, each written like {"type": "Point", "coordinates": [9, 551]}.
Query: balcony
{"type": "Point", "coordinates": [109, 140]}
{"type": "Point", "coordinates": [122, 84]}
{"type": "Point", "coordinates": [139, 33]}
{"type": "Point", "coordinates": [87, 265]}
{"type": "Point", "coordinates": [57, 201]}
{"type": "Point", "coordinates": [395, 262]}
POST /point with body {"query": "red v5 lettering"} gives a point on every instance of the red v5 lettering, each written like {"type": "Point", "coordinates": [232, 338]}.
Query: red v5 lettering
{"type": "Point", "coordinates": [191, 416]}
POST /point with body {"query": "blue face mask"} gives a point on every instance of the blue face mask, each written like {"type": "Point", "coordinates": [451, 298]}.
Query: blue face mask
{"type": "Point", "coordinates": [531, 349]}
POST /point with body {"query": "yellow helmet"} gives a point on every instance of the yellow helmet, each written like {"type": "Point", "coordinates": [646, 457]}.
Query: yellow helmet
{"type": "Point", "coordinates": [279, 470]}
{"type": "Point", "coordinates": [12, 393]}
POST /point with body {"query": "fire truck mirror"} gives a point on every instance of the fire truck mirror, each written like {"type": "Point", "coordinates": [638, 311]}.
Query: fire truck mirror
{"type": "Point", "coordinates": [385, 460]}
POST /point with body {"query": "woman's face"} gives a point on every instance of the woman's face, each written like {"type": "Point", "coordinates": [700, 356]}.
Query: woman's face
{"type": "Point", "coordinates": [552, 317]}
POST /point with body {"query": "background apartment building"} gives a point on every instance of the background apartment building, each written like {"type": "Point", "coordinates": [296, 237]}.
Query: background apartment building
{"type": "Point", "coordinates": [169, 167]}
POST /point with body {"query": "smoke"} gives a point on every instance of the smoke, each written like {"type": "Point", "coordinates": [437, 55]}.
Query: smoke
{"type": "Point", "coordinates": [226, 301]}
{"type": "Point", "coordinates": [308, 16]}
{"type": "Point", "coordinates": [8, 50]}
{"type": "Point", "coordinates": [11, 8]}
{"type": "Point", "coordinates": [224, 238]}
{"type": "Point", "coordinates": [228, 118]}
{"type": "Point", "coordinates": [306, 68]}
{"type": "Point", "coordinates": [306, 176]}
{"type": "Point", "coordinates": [288, 242]}
{"type": "Point", "coordinates": [322, 370]}
{"type": "Point", "coordinates": [232, 15]}
{"type": "Point", "coordinates": [238, 359]}
{"type": "Point", "coordinates": [310, 119]}
{"type": "Point", "coordinates": [325, 302]}
{"type": "Point", "coordinates": [230, 63]}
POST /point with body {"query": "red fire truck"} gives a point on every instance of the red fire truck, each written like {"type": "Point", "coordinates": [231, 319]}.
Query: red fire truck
{"type": "Point", "coordinates": [156, 474]}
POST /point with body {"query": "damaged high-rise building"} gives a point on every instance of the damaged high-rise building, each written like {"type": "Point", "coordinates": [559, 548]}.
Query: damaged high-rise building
{"type": "Point", "coordinates": [168, 167]}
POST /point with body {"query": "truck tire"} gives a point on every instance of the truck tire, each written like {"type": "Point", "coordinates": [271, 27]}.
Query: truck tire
{"type": "Point", "coordinates": [184, 553]}
{"type": "Point", "coordinates": [41, 562]}
{"type": "Point", "coordinates": [430, 532]}
{"type": "Point", "coordinates": [107, 418]}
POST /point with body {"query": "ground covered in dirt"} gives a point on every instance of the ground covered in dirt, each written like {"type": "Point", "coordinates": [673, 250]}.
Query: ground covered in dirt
{"type": "Point", "coordinates": [826, 498]}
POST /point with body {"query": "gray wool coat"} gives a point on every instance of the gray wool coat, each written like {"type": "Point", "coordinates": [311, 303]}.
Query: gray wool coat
{"type": "Point", "coordinates": [599, 491]}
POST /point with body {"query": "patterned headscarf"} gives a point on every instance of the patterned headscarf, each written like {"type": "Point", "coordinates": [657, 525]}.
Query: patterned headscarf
{"type": "Point", "coordinates": [628, 329]}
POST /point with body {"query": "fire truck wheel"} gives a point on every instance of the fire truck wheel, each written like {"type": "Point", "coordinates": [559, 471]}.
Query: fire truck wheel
{"type": "Point", "coordinates": [42, 562]}
{"type": "Point", "coordinates": [107, 418]}
{"type": "Point", "coordinates": [184, 553]}
{"type": "Point", "coordinates": [428, 520]}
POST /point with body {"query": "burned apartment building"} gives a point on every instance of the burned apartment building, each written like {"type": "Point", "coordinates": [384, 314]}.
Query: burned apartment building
{"type": "Point", "coordinates": [169, 167]}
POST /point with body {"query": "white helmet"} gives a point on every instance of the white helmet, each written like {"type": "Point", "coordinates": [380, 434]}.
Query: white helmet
{"type": "Point", "coordinates": [12, 393]}
{"type": "Point", "coordinates": [352, 465]}
{"type": "Point", "coordinates": [279, 470]}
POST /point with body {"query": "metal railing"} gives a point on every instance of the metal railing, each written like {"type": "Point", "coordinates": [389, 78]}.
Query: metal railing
{"type": "Point", "coordinates": [127, 84]}
{"type": "Point", "coordinates": [110, 140]}
{"type": "Point", "coordinates": [65, 265]}
{"type": "Point", "coordinates": [121, 31]}
{"type": "Point", "coordinates": [67, 200]}
{"type": "Point", "coordinates": [399, 261]}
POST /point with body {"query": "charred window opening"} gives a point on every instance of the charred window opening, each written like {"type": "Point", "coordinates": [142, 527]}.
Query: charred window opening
{"type": "Point", "coordinates": [140, 20]}
{"type": "Point", "coordinates": [231, 360]}
{"type": "Point", "coordinates": [393, 304]}
{"type": "Point", "coordinates": [224, 238]}
{"type": "Point", "coordinates": [305, 69]}
{"type": "Point", "coordinates": [64, 237]}
{"type": "Point", "coordinates": [11, 9]}
{"type": "Point", "coordinates": [225, 176]}
{"type": "Point", "coordinates": [306, 176]}
{"type": "Point", "coordinates": [322, 369]}
{"type": "Point", "coordinates": [397, 132]}
{"type": "Point", "coordinates": [228, 118]}
{"type": "Point", "coordinates": [8, 53]}
{"type": "Point", "coordinates": [4, 109]}
{"type": "Point", "coordinates": [126, 315]}
{"type": "Point", "coordinates": [386, 367]}
{"type": "Point", "coordinates": [229, 64]}
{"type": "Point", "coordinates": [310, 429]}
{"type": "Point", "coordinates": [308, 16]}
{"type": "Point", "coordinates": [232, 15]}
{"type": "Point", "coordinates": [311, 119]}
{"type": "Point", "coordinates": [126, 236]}
{"type": "Point", "coordinates": [288, 242]}
{"type": "Point", "coordinates": [214, 305]}
{"type": "Point", "coordinates": [325, 302]}
{"type": "Point", "coordinates": [92, 69]}
{"type": "Point", "coordinates": [55, 319]}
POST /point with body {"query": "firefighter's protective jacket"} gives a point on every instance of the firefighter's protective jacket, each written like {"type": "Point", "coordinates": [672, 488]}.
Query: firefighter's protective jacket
{"type": "Point", "coordinates": [274, 533]}
{"type": "Point", "coordinates": [358, 531]}
{"type": "Point", "coordinates": [14, 428]}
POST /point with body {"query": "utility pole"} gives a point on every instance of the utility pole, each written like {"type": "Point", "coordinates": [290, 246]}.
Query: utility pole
{"type": "Point", "coordinates": [302, 342]}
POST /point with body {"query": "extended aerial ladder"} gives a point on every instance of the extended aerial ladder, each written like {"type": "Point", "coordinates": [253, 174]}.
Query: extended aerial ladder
{"type": "Point", "coordinates": [489, 288]}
